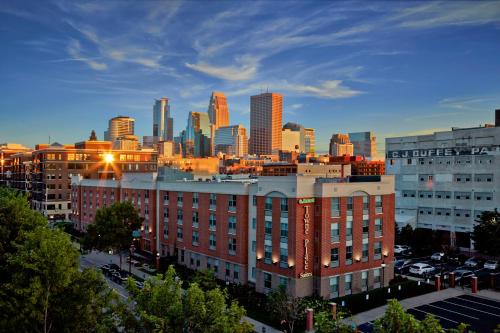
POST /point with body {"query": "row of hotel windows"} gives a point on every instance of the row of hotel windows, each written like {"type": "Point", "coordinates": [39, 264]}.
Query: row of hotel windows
{"type": "Point", "coordinates": [334, 254]}
{"type": "Point", "coordinates": [335, 230]}
{"type": "Point", "coordinates": [334, 282]}
{"type": "Point", "coordinates": [447, 195]}
{"type": "Point", "coordinates": [196, 198]}
{"type": "Point", "coordinates": [195, 220]}
{"type": "Point", "coordinates": [461, 178]}
{"type": "Point", "coordinates": [212, 263]}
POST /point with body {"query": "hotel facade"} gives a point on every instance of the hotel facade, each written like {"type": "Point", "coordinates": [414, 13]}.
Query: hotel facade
{"type": "Point", "coordinates": [445, 180]}
{"type": "Point", "coordinates": [324, 236]}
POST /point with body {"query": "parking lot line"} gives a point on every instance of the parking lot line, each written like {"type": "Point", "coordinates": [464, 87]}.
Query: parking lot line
{"type": "Point", "coordinates": [468, 300]}
{"type": "Point", "coordinates": [435, 315]}
{"type": "Point", "coordinates": [458, 313]}
{"type": "Point", "coordinates": [474, 309]}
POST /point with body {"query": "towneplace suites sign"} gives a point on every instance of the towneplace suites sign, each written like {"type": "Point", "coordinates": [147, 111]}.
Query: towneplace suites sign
{"type": "Point", "coordinates": [456, 151]}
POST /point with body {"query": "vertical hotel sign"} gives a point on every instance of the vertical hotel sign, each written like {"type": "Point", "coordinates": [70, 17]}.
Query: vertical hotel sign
{"type": "Point", "coordinates": [307, 222]}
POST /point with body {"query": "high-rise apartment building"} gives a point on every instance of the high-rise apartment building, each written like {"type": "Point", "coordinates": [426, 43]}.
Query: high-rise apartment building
{"type": "Point", "coordinates": [119, 127]}
{"type": "Point", "coordinates": [309, 141]}
{"type": "Point", "coordinates": [365, 144]}
{"type": "Point", "coordinates": [266, 119]}
{"type": "Point", "coordinates": [197, 136]}
{"type": "Point", "coordinates": [445, 180]}
{"type": "Point", "coordinates": [8, 151]}
{"type": "Point", "coordinates": [218, 114]}
{"type": "Point", "coordinates": [163, 124]}
{"type": "Point", "coordinates": [231, 140]}
{"type": "Point", "coordinates": [340, 145]}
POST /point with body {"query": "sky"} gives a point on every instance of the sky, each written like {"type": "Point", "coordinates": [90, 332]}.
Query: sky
{"type": "Point", "coordinates": [394, 68]}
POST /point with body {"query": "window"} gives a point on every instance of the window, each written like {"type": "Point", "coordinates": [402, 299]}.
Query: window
{"type": "Point", "coordinates": [376, 277]}
{"type": "Point", "coordinates": [216, 265]}
{"type": "Point", "coordinates": [335, 209]}
{"type": "Point", "coordinates": [334, 232]}
{"type": "Point", "coordinates": [166, 213]}
{"type": "Point", "coordinates": [254, 223]}
{"type": "Point", "coordinates": [236, 272]}
{"type": "Point", "coordinates": [179, 234]}
{"type": "Point", "coordinates": [269, 204]}
{"type": "Point", "coordinates": [284, 232]}
{"type": "Point", "coordinates": [267, 280]}
{"type": "Point", "coordinates": [378, 204]}
{"type": "Point", "coordinates": [365, 204]}
{"type": "Point", "coordinates": [364, 280]}
{"type": "Point", "coordinates": [364, 254]}
{"type": "Point", "coordinates": [284, 207]}
{"type": "Point", "coordinates": [349, 205]}
{"type": "Point", "coordinates": [212, 241]}
{"type": "Point", "coordinates": [348, 230]}
{"type": "Point", "coordinates": [232, 203]}
{"type": "Point", "coordinates": [232, 225]}
{"type": "Point", "coordinates": [378, 250]}
{"type": "Point", "coordinates": [366, 228]}
{"type": "Point", "coordinates": [334, 286]}
{"type": "Point", "coordinates": [195, 238]}
{"type": "Point", "coordinates": [348, 283]}
{"type": "Point", "coordinates": [254, 200]}
{"type": "Point", "coordinates": [228, 269]}
{"type": "Point", "coordinates": [195, 199]}
{"type": "Point", "coordinates": [232, 246]}
{"type": "Point", "coordinates": [254, 246]}
{"type": "Point", "coordinates": [378, 227]}
{"type": "Point", "coordinates": [195, 219]}
{"type": "Point", "coordinates": [334, 257]}
{"type": "Point", "coordinates": [348, 255]}
{"type": "Point", "coordinates": [268, 229]}
{"type": "Point", "coordinates": [213, 200]}
{"type": "Point", "coordinates": [179, 198]}
{"type": "Point", "coordinates": [165, 230]}
{"type": "Point", "coordinates": [179, 216]}
{"type": "Point", "coordinates": [284, 281]}
{"type": "Point", "coordinates": [268, 251]}
{"type": "Point", "coordinates": [283, 257]}
{"type": "Point", "coordinates": [212, 222]}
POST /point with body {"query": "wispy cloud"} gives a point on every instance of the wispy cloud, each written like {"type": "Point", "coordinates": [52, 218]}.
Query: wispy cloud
{"type": "Point", "coordinates": [246, 70]}
{"type": "Point", "coordinates": [296, 106]}
{"type": "Point", "coordinates": [75, 51]}
{"type": "Point", "coordinates": [466, 103]}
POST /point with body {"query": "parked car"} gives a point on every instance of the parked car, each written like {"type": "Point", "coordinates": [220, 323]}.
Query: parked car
{"type": "Point", "coordinates": [474, 262]}
{"type": "Point", "coordinates": [421, 269]}
{"type": "Point", "coordinates": [401, 249]}
{"type": "Point", "coordinates": [462, 275]}
{"type": "Point", "coordinates": [401, 266]}
{"type": "Point", "coordinates": [491, 264]}
{"type": "Point", "coordinates": [438, 256]}
{"type": "Point", "coordinates": [139, 284]}
{"type": "Point", "coordinates": [108, 267]}
{"type": "Point", "coordinates": [457, 259]}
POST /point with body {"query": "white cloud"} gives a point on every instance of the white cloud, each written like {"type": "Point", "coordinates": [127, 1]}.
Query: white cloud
{"type": "Point", "coordinates": [75, 51]}
{"type": "Point", "coordinates": [296, 106]}
{"type": "Point", "coordinates": [246, 70]}
{"type": "Point", "coordinates": [332, 89]}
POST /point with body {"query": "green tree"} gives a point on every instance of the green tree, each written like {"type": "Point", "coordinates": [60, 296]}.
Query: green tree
{"type": "Point", "coordinates": [324, 323]}
{"type": "Point", "coordinates": [112, 228]}
{"type": "Point", "coordinates": [205, 279]}
{"type": "Point", "coordinates": [284, 307]}
{"type": "Point", "coordinates": [163, 307]}
{"type": "Point", "coordinates": [486, 234]}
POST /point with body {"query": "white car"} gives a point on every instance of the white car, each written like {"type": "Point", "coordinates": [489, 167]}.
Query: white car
{"type": "Point", "coordinates": [399, 249]}
{"type": "Point", "coordinates": [437, 256]}
{"type": "Point", "coordinates": [491, 264]}
{"type": "Point", "coordinates": [421, 269]}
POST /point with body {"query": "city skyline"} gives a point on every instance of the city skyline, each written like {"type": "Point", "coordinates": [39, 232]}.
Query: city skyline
{"type": "Point", "coordinates": [364, 67]}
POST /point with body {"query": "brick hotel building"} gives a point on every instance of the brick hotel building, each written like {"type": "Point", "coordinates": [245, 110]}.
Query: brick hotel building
{"type": "Point", "coordinates": [328, 236]}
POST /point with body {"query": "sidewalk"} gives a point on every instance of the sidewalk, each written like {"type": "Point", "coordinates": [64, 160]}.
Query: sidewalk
{"type": "Point", "coordinates": [371, 315]}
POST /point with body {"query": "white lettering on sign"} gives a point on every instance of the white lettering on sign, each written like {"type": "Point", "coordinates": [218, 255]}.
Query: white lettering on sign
{"type": "Point", "coordinates": [456, 151]}
{"type": "Point", "coordinates": [306, 254]}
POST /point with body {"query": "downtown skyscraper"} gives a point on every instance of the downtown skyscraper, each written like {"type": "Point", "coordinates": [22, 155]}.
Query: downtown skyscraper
{"type": "Point", "coordinates": [218, 114]}
{"type": "Point", "coordinates": [163, 124]}
{"type": "Point", "coordinates": [266, 119]}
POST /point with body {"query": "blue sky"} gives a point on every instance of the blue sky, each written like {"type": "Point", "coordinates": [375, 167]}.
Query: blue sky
{"type": "Point", "coordinates": [396, 68]}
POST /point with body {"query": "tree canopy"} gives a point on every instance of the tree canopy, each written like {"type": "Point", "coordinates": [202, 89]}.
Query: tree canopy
{"type": "Point", "coordinates": [486, 233]}
{"type": "Point", "coordinates": [163, 306]}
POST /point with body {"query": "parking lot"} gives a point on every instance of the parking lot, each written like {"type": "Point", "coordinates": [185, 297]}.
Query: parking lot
{"type": "Point", "coordinates": [481, 314]}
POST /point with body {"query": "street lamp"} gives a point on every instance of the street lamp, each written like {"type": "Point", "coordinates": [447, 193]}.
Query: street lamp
{"type": "Point", "coordinates": [383, 272]}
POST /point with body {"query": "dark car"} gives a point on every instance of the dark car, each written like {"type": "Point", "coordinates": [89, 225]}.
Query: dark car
{"type": "Point", "coordinates": [474, 262]}
{"type": "Point", "coordinates": [462, 274]}
{"type": "Point", "coordinates": [402, 266]}
{"type": "Point", "coordinates": [457, 259]}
